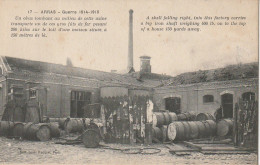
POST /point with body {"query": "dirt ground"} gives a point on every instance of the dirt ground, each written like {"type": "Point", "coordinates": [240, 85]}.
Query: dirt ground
{"type": "Point", "coordinates": [22, 151]}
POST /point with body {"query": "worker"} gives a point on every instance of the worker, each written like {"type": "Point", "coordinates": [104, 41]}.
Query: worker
{"type": "Point", "coordinates": [219, 113]}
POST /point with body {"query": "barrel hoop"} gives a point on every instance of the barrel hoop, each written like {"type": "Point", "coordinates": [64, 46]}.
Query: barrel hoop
{"type": "Point", "coordinates": [25, 133]}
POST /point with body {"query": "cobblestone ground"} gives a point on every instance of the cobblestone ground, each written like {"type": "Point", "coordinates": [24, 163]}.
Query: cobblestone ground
{"type": "Point", "coordinates": [17, 151]}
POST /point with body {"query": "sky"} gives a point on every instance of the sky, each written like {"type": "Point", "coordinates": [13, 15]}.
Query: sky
{"type": "Point", "coordinates": [171, 53]}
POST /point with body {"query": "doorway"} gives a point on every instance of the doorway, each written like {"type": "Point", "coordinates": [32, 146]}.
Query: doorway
{"type": "Point", "coordinates": [173, 104]}
{"type": "Point", "coordinates": [227, 105]}
{"type": "Point", "coordinates": [79, 99]}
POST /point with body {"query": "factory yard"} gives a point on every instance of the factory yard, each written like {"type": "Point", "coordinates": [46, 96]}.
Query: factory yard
{"type": "Point", "coordinates": [22, 151]}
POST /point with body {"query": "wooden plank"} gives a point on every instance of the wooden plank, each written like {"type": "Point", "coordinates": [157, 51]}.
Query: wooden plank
{"type": "Point", "coordinates": [224, 152]}
{"type": "Point", "coordinates": [191, 145]}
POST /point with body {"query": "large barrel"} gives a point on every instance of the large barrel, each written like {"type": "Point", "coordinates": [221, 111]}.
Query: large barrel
{"type": "Point", "coordinates": [186, 116]}
{"type": "Point", "coordinates": [74, 125]}
{"type": "Point", "coordinates": [204, 116]}
{"type": "Point", "coordinates": [176, 131]}
{"type": "Point", "coordinates": [187, 130]}
{"type": "Point", "coordinates": [163, 118]}
{"type": "Point", "coordinates": [224, 127]}
{"type": "Point", "coordinates": [160, 119]}
{"type": "Point", "coordinates": [173, 117]}
{"type": "Point", "coordinates": [202, 129]}
{"type": "Point", "coordinates": [207, 128]}
{"type": "Point", "coordinates": [6, 128]}
{"type": "Point", "coordinates": [18, 130]}
{"type": "Point", "coordinates": [213, 127]}
{"type": "Point", "coordinates": [91, 138]}
{"type": "Point", "coordinates": [39, 131]}
{"type": "Point", "coordinates": [54, 127]}
{"type": "Point", "coordinates": [164, 130]}
{"type": "Point", "coordinates": [194, 133]}
{"type": "Point", "coordinates": [157, 133]}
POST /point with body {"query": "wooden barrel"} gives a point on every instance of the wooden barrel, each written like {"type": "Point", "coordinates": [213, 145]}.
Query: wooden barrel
{"type": "Point", "coordinates": [91, 138]}
{"type": "Point", "coordinates": [18, 130]}
{"type": "Point", "coordinates": [157, 133]}
{"type": "Point", "coordinates": [6, 128]}
{"type": "Point", "coordinates": [164, 129]}
{"type": "Point", "coordinates": [181, 117]}
{"type": "Point", "coordinates": [194, 133]}
{"type": "Point", "coordinates": [39, 131]}
{"type": "Point", "coordinates": [160, 118]}
{"type": "Point", "coordinates": [213, 127]}
{"type": "Point", "coordinates": [186, 116]}
{"type": "Point", "coordinates": [173, 117]}
{"type": "Point", "coordinates": [74, 125]}
{"type": "Point", "coordinates": [192, 115]}
{"type": "Point", "coordinates": [167, 118]}
{"type": "Point", "coordinates": [202, 129]}
{"type": "Point", "coordinates": [187, 130]}
{"type": "Point", "coordinates": [224, 127]}
{"type": "Point", "coordinates": [54, 127]}
{"type": "Point", "coordinates": [207, 129]}
{"type": "Point", "coordinates": [61, 121]}
{"type": "Point", "coordinates": [204, 116]}
{"type": "Point", "coordinates": [176, 131]}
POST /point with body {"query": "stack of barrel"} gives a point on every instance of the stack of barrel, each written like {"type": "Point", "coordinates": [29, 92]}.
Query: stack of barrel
{"type": "Point", "coordinates": [186, 130]}
{"type": "Point", "coordinates": [91, 129]}
{"type": "Point", "coordinates": [30, 131]}
{"type": "Point", "coordinates": [187, 126]}
{"type": "Point", "coordinates": [161, 120]}
{"type": "Point", "coordinates": [73, 125]}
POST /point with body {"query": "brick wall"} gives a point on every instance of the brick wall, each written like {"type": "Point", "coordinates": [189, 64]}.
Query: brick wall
{"type": "Point", "coordinates": [192, 95]}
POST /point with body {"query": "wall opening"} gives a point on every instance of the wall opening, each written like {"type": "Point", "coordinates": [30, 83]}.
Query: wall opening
{"type": "Point", "coordinates": [173, 104]}
{"type": "Point", "coordinates": [227, 105]}
{"type": "Point", "coordinates": [248, 96]}
{"type": "Point", "coordinates": [79, 99]}
{"type": "Point", "coordinates": [208, 98]}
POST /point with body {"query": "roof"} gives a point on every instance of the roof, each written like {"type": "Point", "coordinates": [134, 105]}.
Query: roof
{"type": "Point", "coordinates": [230, 72]}
{"type": "Point", "coordinates": [18, 65]}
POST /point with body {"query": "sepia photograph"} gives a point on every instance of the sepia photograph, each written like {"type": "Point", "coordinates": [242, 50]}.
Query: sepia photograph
{"type": "Point", "coordinates": [129, 82]}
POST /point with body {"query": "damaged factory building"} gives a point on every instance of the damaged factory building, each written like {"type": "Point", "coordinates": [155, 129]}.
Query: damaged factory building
{"type": "Point", "coordinates": [130, 107]}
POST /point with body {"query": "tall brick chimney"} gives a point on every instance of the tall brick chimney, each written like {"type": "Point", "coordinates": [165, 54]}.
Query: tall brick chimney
{"type": "Point", "coordinates": [130, 65]}
{"type": "Point", "coordinates": [145, 66]}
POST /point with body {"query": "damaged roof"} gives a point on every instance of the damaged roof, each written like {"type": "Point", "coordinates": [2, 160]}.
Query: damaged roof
{"type": "Point", "coordinates": [230, 72]}
{"type": "Point", "coordinates": [19, 65]}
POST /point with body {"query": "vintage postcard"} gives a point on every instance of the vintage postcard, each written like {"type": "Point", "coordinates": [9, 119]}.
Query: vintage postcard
{"type": "Point", "coordinates": [129, 82]}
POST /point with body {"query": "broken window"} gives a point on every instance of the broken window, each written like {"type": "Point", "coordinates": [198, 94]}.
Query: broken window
{"type": "Point", "coordinates": [208, 98]}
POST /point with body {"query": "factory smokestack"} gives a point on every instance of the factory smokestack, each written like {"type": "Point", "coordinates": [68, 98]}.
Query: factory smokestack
{"type": "Point", "coordinates": [130, 65]}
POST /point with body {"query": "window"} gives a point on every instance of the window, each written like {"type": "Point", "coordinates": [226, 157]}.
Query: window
{"type": "Point", "coordinates": [15, 92]}
{"type": "Point", "coordinates": [32, 93]}
{"type": "Point", "coordinates": [79, 99]}
{"type": "Point", "coordinates": [248, 96]}
{"type": "Point", "coordinates": [173, 104]}
{"type": "Point", "coordinates": [208, 98]}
